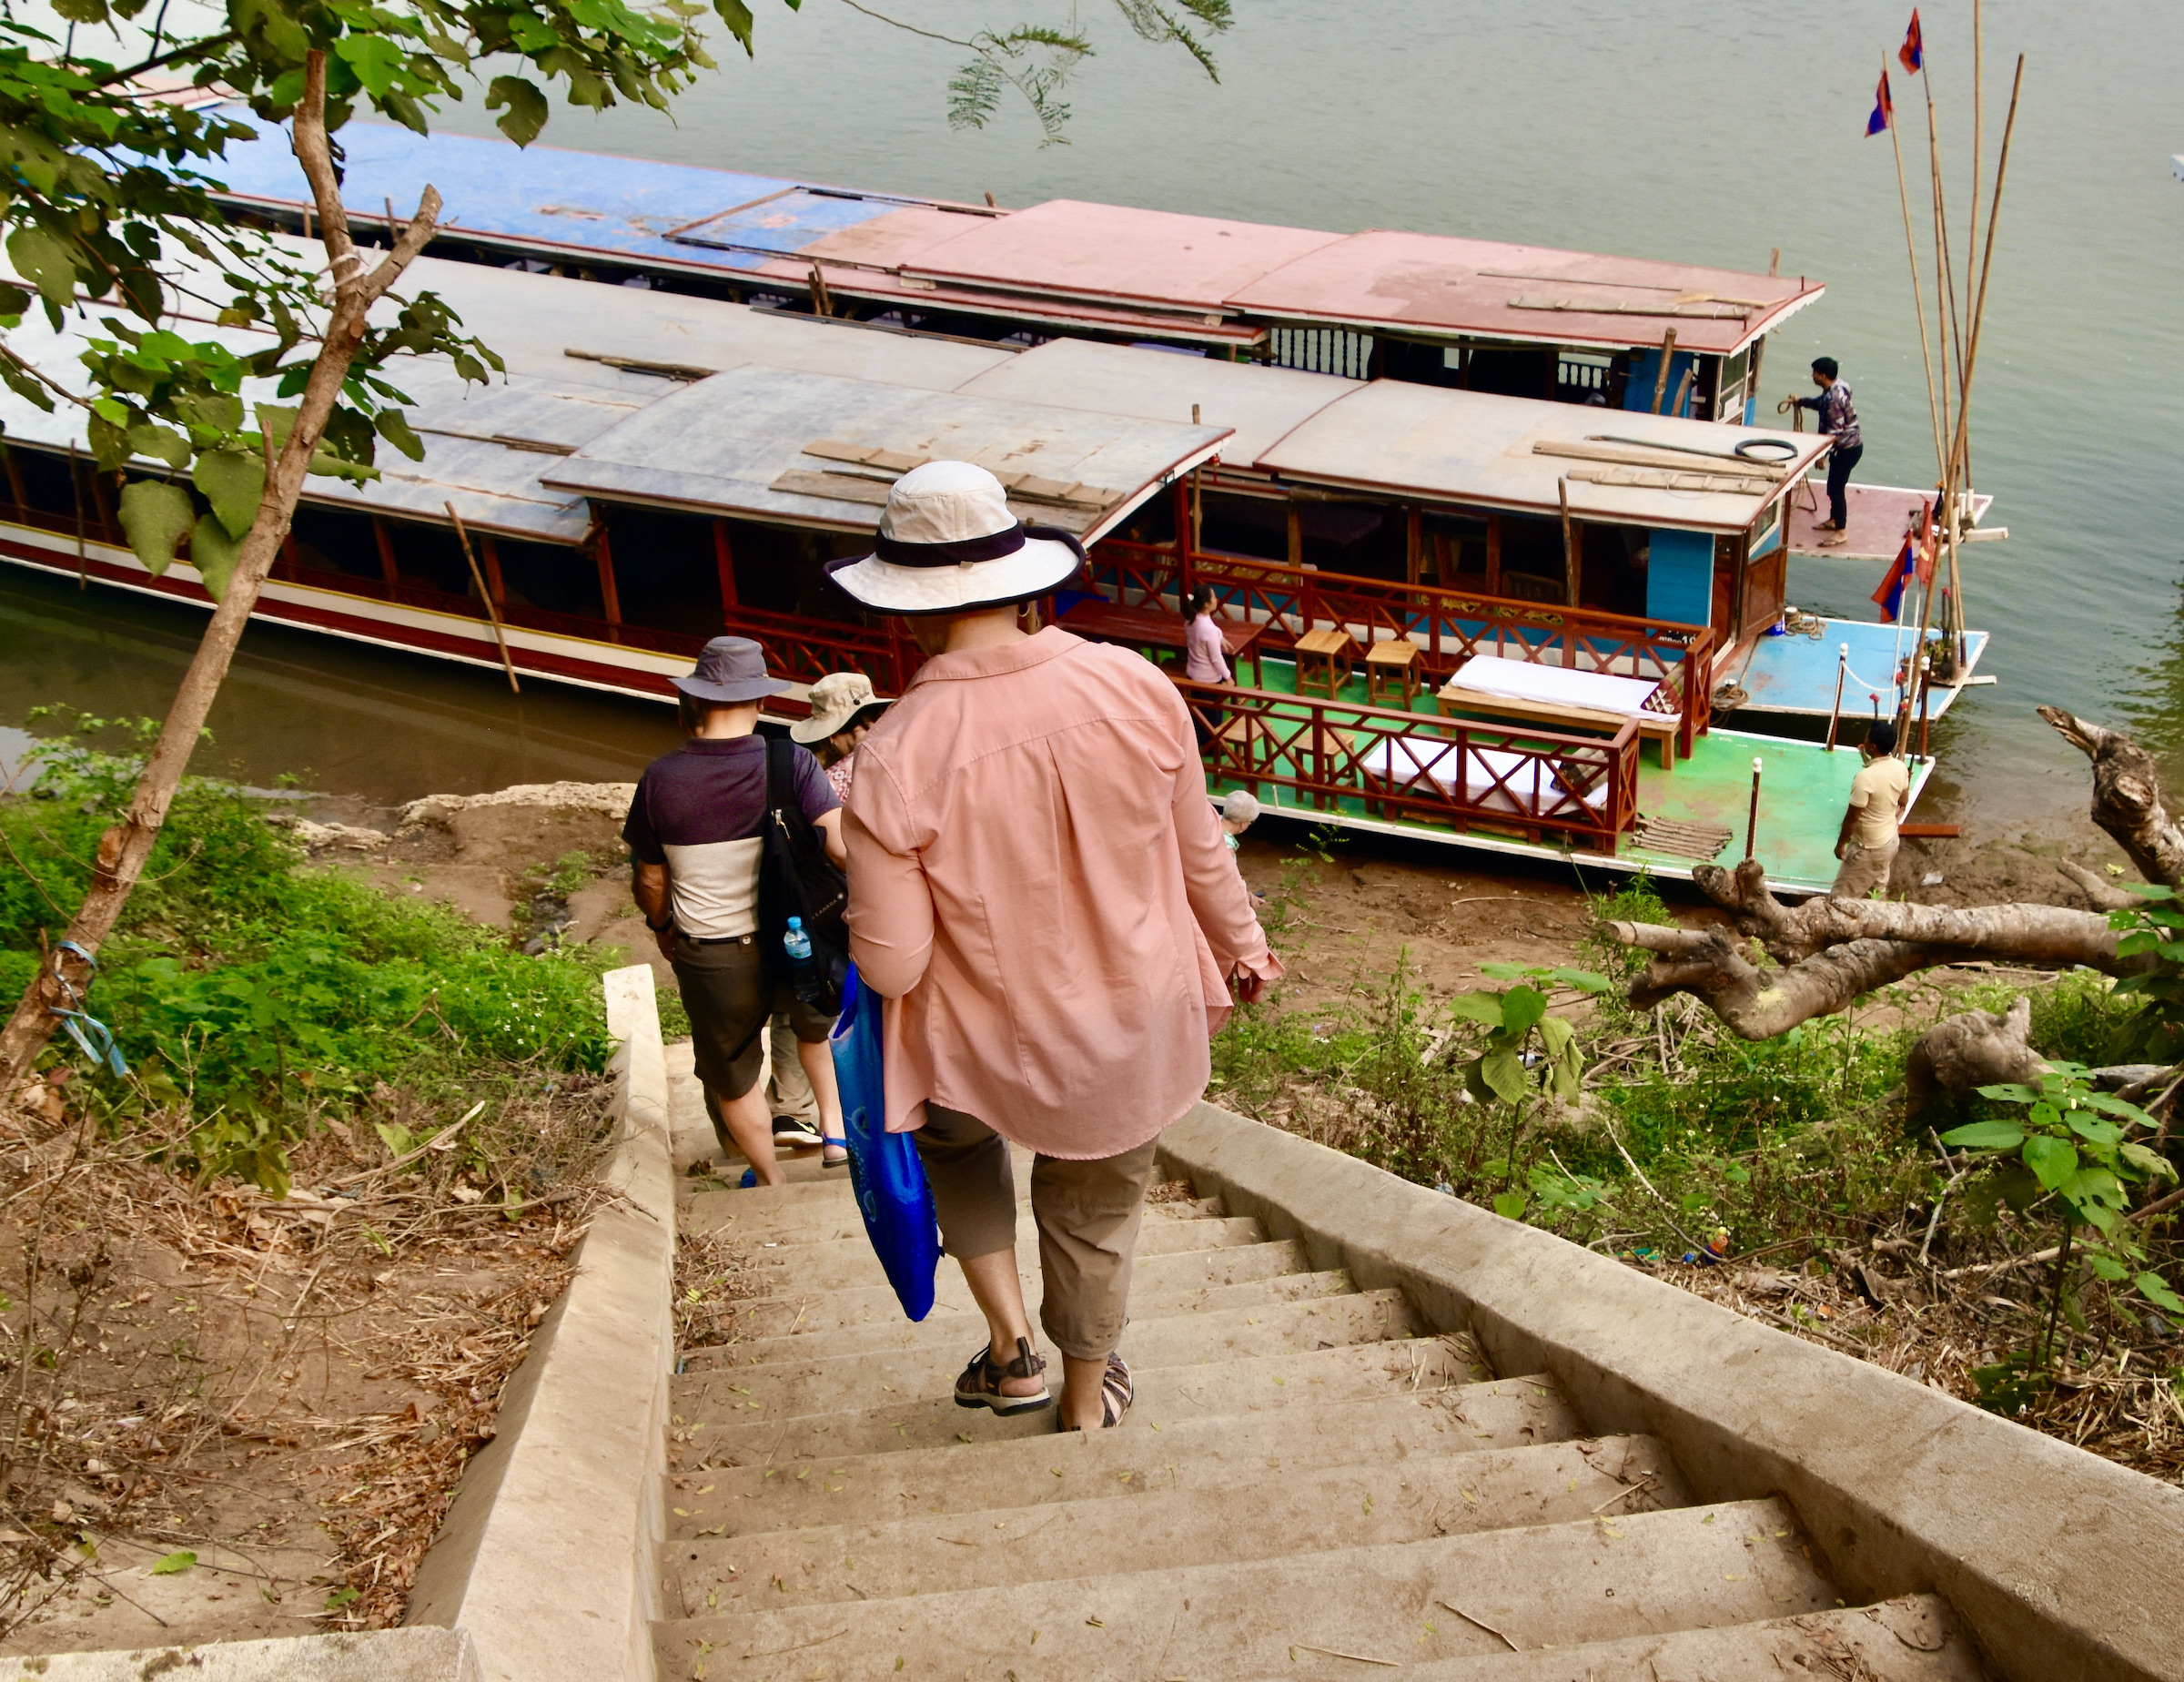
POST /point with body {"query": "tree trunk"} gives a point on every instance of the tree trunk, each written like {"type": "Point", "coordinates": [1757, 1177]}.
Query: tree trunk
{"type": "Point", "coordinates": [124, 849]}
{"type": "Point", "coordinates": [2127, 796]}
{"type": "Point", "coordinates": [1960, 1054]}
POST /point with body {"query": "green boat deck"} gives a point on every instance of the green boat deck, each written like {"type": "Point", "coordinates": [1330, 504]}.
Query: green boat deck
{"type": "Point", "coordinates": [1803, 789]}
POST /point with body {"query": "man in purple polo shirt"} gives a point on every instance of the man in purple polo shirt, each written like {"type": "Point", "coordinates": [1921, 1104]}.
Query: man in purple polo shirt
{"type": "Point", "coordinates": [694, 831]}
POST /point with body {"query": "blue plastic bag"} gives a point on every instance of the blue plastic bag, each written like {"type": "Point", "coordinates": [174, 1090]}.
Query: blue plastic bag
{"type": "Point", "coordinates": [884, 1168]}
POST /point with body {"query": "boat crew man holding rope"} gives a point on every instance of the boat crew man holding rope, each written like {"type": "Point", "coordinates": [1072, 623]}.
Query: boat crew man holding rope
{"type": "Point", "coordinates": [1839, 421]}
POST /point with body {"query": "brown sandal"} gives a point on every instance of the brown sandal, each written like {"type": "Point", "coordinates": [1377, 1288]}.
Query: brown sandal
{"type": "Point", "coordinates": [1116, 1393]}
{"type": "Point", "coordinates": [980, 1385]}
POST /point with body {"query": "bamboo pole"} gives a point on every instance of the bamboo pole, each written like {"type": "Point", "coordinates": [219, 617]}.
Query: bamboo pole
{"type": "Point", "coordinates": [1751, 819]}
{"type": "Point", "coordinates": [492, 608]}
{"type": "Point", "coordinates": [1961, 446]}
{"type": "Point", "coordinates": [1835, 717]}
{"type": "Point", "coordinates": [1945, 267]}
{"type": "Point", "coordinates": [1918, 296]}
{"type": "Point", "coordinates": [1971, 236]}
{"type": "Point", "coordinates": [1668, 355]}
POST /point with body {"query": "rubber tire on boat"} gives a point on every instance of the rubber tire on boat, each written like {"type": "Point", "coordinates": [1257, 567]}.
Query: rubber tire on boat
{"type": "Point", "coordinates": [1746, 449]}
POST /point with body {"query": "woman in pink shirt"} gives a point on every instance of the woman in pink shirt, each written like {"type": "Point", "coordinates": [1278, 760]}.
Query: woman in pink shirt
{"type": "Point", "coordinates": [1040, 890]}
{"type": "Point", "coordinates": [1205, 659]}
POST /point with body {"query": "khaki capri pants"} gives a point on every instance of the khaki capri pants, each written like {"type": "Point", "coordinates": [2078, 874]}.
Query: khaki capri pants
{"type": "Point", "coordinates": [1087, 1214]}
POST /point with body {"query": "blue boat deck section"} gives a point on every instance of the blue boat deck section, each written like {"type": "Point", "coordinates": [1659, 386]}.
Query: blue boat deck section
{"type": "Point", "coordinates": [594, 205]}
{"type": "Point", "coordinates": [1797, 674]}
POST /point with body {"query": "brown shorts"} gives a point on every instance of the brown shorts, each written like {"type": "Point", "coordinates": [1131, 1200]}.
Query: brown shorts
{"type": "Point", "coordinates": [730, 1001]}
{"type": "Point", "coordinates": [1087, 1215]}
{"type": "Point", "coordinates": [1864, 869]}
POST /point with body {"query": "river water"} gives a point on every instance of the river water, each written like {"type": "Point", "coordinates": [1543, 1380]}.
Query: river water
{"type": "Point", "coordinates": [1648, 126]}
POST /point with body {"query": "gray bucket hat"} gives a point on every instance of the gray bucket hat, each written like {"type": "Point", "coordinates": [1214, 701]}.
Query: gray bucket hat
{"type": "Point", "coordinates": [730, 669]}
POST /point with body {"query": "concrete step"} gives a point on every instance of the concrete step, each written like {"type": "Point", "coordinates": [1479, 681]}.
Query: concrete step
{"type": "Point", "coordinates": [951, 1326]}
{"type": "Point", "coordinates": [846, 1262]}
{"type": "Point", "coordinates": [824, 1385]}
{"type": "Point", "coordinates": [1078, 1465]}
{"type": "Point", "coordinates": [1165, 1395]}
{"type": "Point", "coordinates": [1595, 1581]}
{"type": "Point", "coordinates": [1914, 1639]}
{"type": "Point", "coordinates": [773, 1221]}
{"type": "Point", "coordinates": [1192, 1270]}
{"type": "Point", "coordinates": [1183, 1514]}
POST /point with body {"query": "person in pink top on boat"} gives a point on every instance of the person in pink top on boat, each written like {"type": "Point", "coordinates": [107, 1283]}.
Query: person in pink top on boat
{"type": "Point", "coordinates": [1041, 891]}
{"type": "Point", "coordinates": [1205, 659]}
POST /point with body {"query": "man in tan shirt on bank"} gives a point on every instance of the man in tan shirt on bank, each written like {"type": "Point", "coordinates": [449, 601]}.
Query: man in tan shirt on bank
{"type": "Point", "coordinates": [1878, 795]}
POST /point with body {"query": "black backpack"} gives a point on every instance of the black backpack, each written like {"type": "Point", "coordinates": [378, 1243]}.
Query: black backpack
{"type": "Point", "coordinates": [796, 878]}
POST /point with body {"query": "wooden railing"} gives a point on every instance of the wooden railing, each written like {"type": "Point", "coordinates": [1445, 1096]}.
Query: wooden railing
{"type": "Point", "coordinates": [1535, 784]}
{"type": "Point", "coordinates": [1449, 627]}
{"type": "Point", "coordinates": [803, 649]}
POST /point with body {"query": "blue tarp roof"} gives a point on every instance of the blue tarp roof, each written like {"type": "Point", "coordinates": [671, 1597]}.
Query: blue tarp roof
{"type": "Point", "coordinates": [592, 204]}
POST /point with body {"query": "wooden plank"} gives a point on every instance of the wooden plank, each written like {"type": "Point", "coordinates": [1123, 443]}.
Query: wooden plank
{"type": "Point", "coordinates": [1929, 832]}
{"type": "Point", "coordinates": [837, 450]}
{"type": "Point", "coordinates": [1650, 479]}
{"type": "Point", "coordinates": [840, 487]}
{"type": "Point", "coordinates": [1674, 460]}
{"type": "Point", "coordinates": [1616, 305]}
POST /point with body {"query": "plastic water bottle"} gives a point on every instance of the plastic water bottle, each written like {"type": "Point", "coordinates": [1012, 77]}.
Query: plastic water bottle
{"type": "Point", "coordinates": [803, 974]}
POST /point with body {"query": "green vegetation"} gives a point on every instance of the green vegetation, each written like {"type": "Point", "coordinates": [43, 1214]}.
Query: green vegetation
{"type": "Point", "coordinates": [1662, 1136]}
{"type": "Point", "coordinates": [254, 1000]}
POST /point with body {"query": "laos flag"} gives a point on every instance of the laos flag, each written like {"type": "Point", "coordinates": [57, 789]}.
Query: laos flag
{"type": "Point", "coordinates": [1914, 560]}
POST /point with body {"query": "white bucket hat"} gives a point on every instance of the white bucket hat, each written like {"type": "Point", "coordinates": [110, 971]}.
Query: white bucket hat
{"type": "Point", "coordinates": [836, 701]}
{"type": "Point", "coordinates": [948, 544]}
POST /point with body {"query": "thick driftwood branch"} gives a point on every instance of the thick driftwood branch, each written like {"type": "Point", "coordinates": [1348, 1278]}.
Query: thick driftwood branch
{"type": "Point", "coordinates": [2127, 796]}
{"type": "Point", "coordinates": [1962, 1053]}
{"type": "Point", "coordinates": [2104, 894]}
{"type": "Point", "coordinates": [1756, 1003]}
{"type": "Point", "coordinates": [2043, 935]}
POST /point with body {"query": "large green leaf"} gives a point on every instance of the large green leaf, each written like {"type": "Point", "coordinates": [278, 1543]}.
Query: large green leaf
{"type": "Point", "coordinates": [393, 425]}
{"type": "Point", "coordinates": [162, 443]}
{"type": "Point", "coordinates": [1521, 1007]}
{"type": "Point", "coordinates": [1510, 1205]}
{"type": "Point", "coordinates": [376, 60]}
{"type": "Point", "coordinates": [2093, 1129]}
{"type": "Point", "coordinates": [157, 517]}
{"type": "Point", "coordinates": [2154, 1290]}
{"type": "Point", "coordinates": [526, 107]}
{"type": "Point", "coordinates": [1503, 1072]}
{"type": "Point", "coordinates": [2147, 1161]}
{"type": "Point", "coordinates": [2052, 1162]}
{"type": "Point", "coordinates": [47, 260]}
{"type": "Point", "coordinates": [1478, 1008]}
{"type": "Point", "coordinates": [1986, 1136]}
{"type": "Point", "coordinates": [1584, 980]}
{"type": "Point", "coordinates": [233, 481]}
{"type": "Point", "coordinates": [214, 553]}
{"type": "Point", "coordinates": [1558, 1034]}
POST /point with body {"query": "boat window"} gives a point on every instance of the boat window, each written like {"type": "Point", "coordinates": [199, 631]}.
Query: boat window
{"type": "Point", "coordinates": [1515, 373]}
{"type": "Point", "coordinates": [665, 573]}
{"type": "Point", "coordinates": [551, 578]}
{"type": "Point", "coordinates": [1255, 526]}
{"type": "Point", "coordinates": [44, 479]}
{"type": "Point", "coordinates": [335, 539]}
{"type": "Point", "coordinates": [1768, 531]}
{"type": "Point", "coordinates": [430, 555]}
{"type": "Point", "coordinates": [1585, 377]}
{"type": "Point", "coordinates": [1364, 540]}
{"type": "Point", "coordinates": [1531, 559]}
{"type": "Point", "coordinates": [1730, 404]}
{"type": "Point", "coordinates": [1152, 521]}
{"type": "Point", "coordinates": [1452, 550]}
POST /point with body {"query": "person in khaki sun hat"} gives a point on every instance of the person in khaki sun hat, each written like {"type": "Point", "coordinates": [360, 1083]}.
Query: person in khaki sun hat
{"type": "Point", "coordinates": [1039, 889]}
{"type": "Point", "coordinates": [844, 709]}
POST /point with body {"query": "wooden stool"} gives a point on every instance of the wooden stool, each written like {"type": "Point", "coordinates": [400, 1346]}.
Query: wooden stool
{"type": "Point", "coordinates": [1395, 668]}
{"type": "Point", "coordinates": [1323, 661]}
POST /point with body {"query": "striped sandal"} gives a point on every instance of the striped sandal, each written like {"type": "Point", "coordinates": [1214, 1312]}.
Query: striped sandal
{"type": "Point", "coordinates": [980, 1385]}
{"type": "Point", "coordinates": [1116, 1393]}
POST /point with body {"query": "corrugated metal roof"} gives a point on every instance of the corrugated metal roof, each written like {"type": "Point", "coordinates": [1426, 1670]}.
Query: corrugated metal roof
{"type": "Point", "coordinates": [1110, 253]}
{"type": "Point", "coordinates": [1262, 404]}
{"type": "Point", "coordinates": [1482, 289]}
{"type": "Point", "coordinates": [1066, 262]}
{"type": "Point", "coordinates": [1467, 446]}
{"type": "Point", "coordinates": [744, 443]}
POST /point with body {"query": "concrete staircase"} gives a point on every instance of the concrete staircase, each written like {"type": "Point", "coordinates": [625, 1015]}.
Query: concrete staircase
{"type": "Point", "coordinates": [1313, 1483]}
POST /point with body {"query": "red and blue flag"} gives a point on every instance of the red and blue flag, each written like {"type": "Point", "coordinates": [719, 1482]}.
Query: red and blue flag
{"type": "Point", "coordinates": [1914, 560]}
{"type": "Point", "coordinates": [1884, 109]}
{"type": "Point", "coordinates": [1913, 52]}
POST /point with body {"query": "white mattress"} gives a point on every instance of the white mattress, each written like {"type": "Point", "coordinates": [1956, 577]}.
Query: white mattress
{"type": "Point", "coordinates": [1553, 685]}
{"type": "Point", "coordinates": [1530, 790]}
